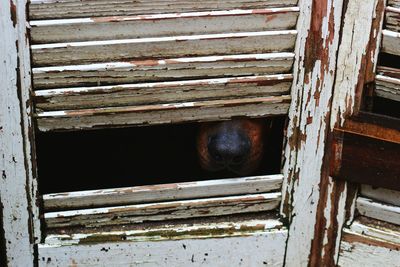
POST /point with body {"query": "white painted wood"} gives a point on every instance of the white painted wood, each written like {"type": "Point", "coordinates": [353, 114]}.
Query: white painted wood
{"type": "Point", "coordinates": [387, 87]}
{"type": "Point", "coordinates": [145, 26]}
{"type": "Point", "coordinates": [43, 9]}
{"type": "Point", "coordinates": [373, 231]}
{"type": "Point", "coordinates": [120, 215]}
{"type": "Point", "coordinates": [161, 93]}
{"type": "Point", "coordinates": [254, 250]}
{"type": "Point", "coordinates": [162, 47]}
{"type": "Point", "coordinates": [309, 115]}
{"type": "Point", "coordinates": [166, 113]}
{"type": "Point", "coordinates": [381, 194]}
{"type": "Point", "coordinates": [352, 53]}
{"type": "Point", "coordinates": [161, 70]}
{"type": "Point", "coordinates": [162, 192]}
{"type": "Point", "coordinates": [378, 210]}
{"type": "Point", "coordinates": [393, 18]}
{"type": "Point", "coordinates": [358, 250]}
{"type": "Point", "coordinates": [201, 230]}
{"type": "Point", "coordinates": [391, 42]}
{"type": "Point", "coordinates": [19, 223]}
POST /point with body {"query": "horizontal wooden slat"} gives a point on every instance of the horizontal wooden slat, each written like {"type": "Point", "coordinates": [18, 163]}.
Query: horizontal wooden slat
{"type": "Point", "coordinates": [391, 42]}
{"type": "Point", "coordinates": [381, 194]}
{"type": "Point", "coordinates": [387, 87]}
{"type": "Point", "coordinates": [394, 3]}
{"type": "Point", "coordinates": [121, 215]}
{"type": "Point", "coordinates": [162, 93]}
{"type": "Point", "coordinates": [166, 113]}
{"type": "Point", "coordinates": [378, 210]}
{"type": "Point", "coordinates": [206, 228]}
{"type": "Point", "coordinates": [161, 70]}
{"type": "Point", "coordinates": [358, 250]}
{"type": "Point", "coordinates": [52, 9]}
{"type": "Point", "coordinates": [393, 18]}
{"type": "Point", "coordinates": [388, 71]}
{"type": "Point", "coordinates": [163, 47]}
{"type": "Point", "coordinates": [374, 229]}
{"type": "Point", "coordinates": [367, 153]}
{"type": "Point", "coordinates": [266, 248]}
{"type": "Point", "coordinates": [163, 192]}
{"type": "Point", "coordinates": [146, 26]}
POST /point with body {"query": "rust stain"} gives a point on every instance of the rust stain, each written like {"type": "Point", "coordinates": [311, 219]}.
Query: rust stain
{"type": "Point", "coordinates": [13, 13]}
{"type": "Point", "coordinates": [354, 238]}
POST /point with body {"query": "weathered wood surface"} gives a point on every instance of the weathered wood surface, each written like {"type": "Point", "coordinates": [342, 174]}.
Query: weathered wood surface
{"type": "Point", "coordinates": [387, 87]}
{"type": "Point", "coordinates": [378, 210]}
{"type": "Point", "coordinates": [165, 113]}
{"type": "Point", "coordinates": [381, 194]}
{"type": "Point", "coordinates": [361, 157]}
{"type": "Point", "coordinates": [163, 192]}
{"type": "Point", "coordinates": [388, 71]}
{"type": "Point", "coordinates": [130, 27]}
{"type": "Point", "coordinates": [20, 218]}
{"type": "Point", "coordinates": [359, 250]}
{"type": "Point", "coordinates": [178, 231]}
{"type": "Point", "coordinates": [162, 93]}
{"type": "Point", "coordinates": [391, 42]}
{"type": "Point", "coordinates": [392, 21]}
{"type": "Point", "coordinates": [162, 47]}
{"type": "Point", "coordinates": [161, 70]}
{"type": "Point", "coordinates": [394, 3]}
{"type": "Point", "coordinates": [267, 248]}
{"type": "Point", "coordinates": [375, 229]}
{"type": "Point", "coordinates": [161, 211]}
{"type": "Point", "coordinates": [56, 9]}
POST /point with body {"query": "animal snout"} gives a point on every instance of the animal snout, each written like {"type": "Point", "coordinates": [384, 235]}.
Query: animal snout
{"type": "Point", "coordinates": [231, 148]}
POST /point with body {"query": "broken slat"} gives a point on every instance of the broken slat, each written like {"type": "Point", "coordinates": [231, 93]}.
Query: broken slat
{"type": "Point", "coordinates": [393, 18]}
{"type": "Point", "coordinates": [121, 215]}
{"type": "Point", "coordinates": [367, 153]}
{"type": "Point", "coordinates": [179, 231]}
{"type": "Point", "coordinates": [159, 114]}
{"type": "Point", "coordinates": [163, 192]}
{"type": "Point", "coordinates": [378, 210]}
{"type": "Point", "coordinates": [387, 87]}
{"type": "Point", "coordinates": [161, 70]}
{"type": "Point", "coordinates": [391, 42]}
{"type": "Point", "coordinates": [161, 93]}
{"type": "Point", "coordinates": [359, 250]}
{"type": "Point", "coordinates": [162, 47]}
{"type": "Point", "coordinates": [381, 194]}
{"type": "Point", "coordinates": [267, 247]}
{"type": "Point", "coordinates": [55, 9]}
{"type": "Point", "coordinates": [146, 26]}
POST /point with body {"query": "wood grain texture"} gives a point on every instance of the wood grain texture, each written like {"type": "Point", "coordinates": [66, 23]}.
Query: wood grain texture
{"type": "Point", "coordinates": [165, 113]}
{"type": "Point", "coordinates": [20, 218]}
{"type": "Point", "coordinates": [378, 210]}
{"type": "Point", "coordinates": [392, 19]}
{"type": "Point", "coordinates": [162, 192]}
{"type": "Point", "coordinates": [358, 250]}
{"type": "Point", "coordinates": [307, 191]}
{"type": "Point", "coordinates": [267, 248]}
{"type": "Point", "coordinates": [54, 9]}
{"type": "Point", "coordinates": [391, 42]}
{"type": "Point", "coordinates": [394, 3]}
{"type": "Point", "coordinates": [159, 25]}
{"type": "Point", "coordinates": [375, 229]}
{"type": "Point", "coordinates": [381, 194]}
{"type": "Point", "coordinates": [162, 47]}
{"type": "Point", "coordinates": [161, 93]}
{"type": "Point", "coordinates": [124, 215]}
{"type": "Point", "coordinates": [387, 87]}
{"type": "Point", "coordinates": [161, 70]}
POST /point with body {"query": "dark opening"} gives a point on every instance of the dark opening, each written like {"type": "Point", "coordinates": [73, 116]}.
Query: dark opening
{"type": "Point", "coordinates": [84, 160]}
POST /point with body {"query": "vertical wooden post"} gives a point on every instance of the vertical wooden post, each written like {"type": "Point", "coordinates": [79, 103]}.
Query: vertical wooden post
{"type": "Point", "coordinates": [307, 185]}
{"type": "Point", "coordinates": [20, 223]}
{"type": "Point", "coordinates": [315, 205]}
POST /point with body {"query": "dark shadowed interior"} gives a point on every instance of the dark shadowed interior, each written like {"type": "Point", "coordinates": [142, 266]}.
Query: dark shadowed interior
{"type": "Point", "coordinates": [83, 160]}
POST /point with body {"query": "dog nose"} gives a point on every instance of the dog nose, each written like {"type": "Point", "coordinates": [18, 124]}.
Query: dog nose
{"type": "Point", "coordinates": [229, 148]}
